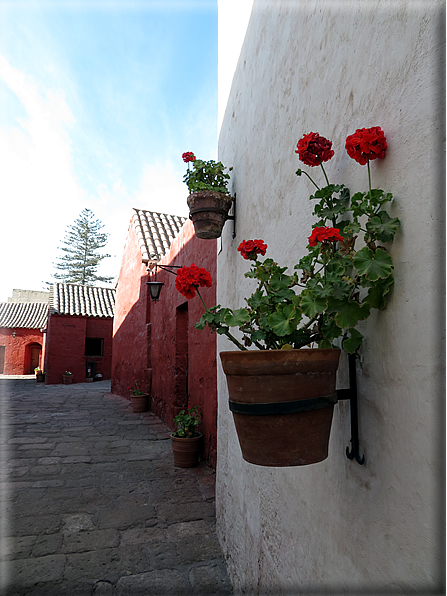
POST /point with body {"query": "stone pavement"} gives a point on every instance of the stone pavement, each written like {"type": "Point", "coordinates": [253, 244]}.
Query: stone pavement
{"type": "Point", "coordinates": [91, 503]}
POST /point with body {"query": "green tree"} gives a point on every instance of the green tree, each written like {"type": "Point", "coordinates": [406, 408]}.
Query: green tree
{"type": "Point", "coordinates": [80, 259]}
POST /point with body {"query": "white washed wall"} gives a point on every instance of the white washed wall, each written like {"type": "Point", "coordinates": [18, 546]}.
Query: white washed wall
{"type": "Point", "coordinates": [332, 67]}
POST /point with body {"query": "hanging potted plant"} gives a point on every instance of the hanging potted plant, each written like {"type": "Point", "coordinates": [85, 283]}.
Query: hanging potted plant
{"type": "Point", "coordinates": [209, 201]}
{"type": "Point", "coordinates": [67, 377]}
{"type": "Point", "coordinates": [186, 439]}
{"type": "Point", "coordinates": [138, 398]}
{"type": "Point", "coordinates": [282, 395]}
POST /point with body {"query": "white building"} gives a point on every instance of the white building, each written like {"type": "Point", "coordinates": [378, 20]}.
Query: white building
{"type": "Point", "coordinates": [332, 66]}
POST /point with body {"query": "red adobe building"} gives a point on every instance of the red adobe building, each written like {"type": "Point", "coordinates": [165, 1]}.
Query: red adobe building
{"type": "Point", "coordinates": [22, 337]}
{"type": "Point", "coordinates": [156, 342]}
{"type": "Point", "coordinates": [79, 333]}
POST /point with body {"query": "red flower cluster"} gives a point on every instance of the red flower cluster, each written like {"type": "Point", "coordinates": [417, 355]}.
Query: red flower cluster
{"type": "Point", "coordinates": [249, 249]}
{"type": "Point", "coordinates": [188, 156]}
{"type": "Point", "coordinates": [313, 149]}
{"type": "Point", "coordinates": [190, 278]}
{"type": "Point", "coordinates": [366, 143]}
{"type": "Point", "coordinates": [324, 234]}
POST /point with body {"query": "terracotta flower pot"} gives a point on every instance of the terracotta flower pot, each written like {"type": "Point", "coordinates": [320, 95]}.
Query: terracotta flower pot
{"type": "Point", "coordinates": [67, 379]}
{"type": "Point", "coordinates": [186, 451]}
{"type": "Point", "coordinates": [282, 403]}
{"type": "Point", "coordinates": [208, 211]}
{"type": "Point", "coordinates": [139, 403]}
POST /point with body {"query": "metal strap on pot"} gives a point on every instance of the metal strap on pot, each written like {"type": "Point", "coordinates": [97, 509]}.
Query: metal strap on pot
{"type": "Point", "coordinates": [284, 407]}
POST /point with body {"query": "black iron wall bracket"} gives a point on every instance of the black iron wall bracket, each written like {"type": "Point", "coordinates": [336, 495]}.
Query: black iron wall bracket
{"type": "Point", "coordinates": [233, 217]}
{"type": "Point", "coordinates": [351, 394]}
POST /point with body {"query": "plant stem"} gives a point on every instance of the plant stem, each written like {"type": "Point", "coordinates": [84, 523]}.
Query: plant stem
{"type": "Point", "coordinates": [227, 333]}
{"type": "Point", "coordinates": [314, 183]}
{"type": "Point", "coordinates": [369, 177]}
{"type": "Point", "coordinates": [234, 340]}
{"type": "Point", "coordinates": [324, 171]}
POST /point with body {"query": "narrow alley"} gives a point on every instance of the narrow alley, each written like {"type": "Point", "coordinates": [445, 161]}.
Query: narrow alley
{"type": "Point", "coordinates": [91, 502]}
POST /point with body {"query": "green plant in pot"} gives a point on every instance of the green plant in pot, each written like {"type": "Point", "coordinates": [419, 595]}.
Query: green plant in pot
{"type": "Point", "coordinates": [138, 398]}
{"type": "Point", "coordinates": [209, 201]}
{"type": "Point", "coordinates": [186, 438]}
{"type": "Point", "coordinates": [331, 289]}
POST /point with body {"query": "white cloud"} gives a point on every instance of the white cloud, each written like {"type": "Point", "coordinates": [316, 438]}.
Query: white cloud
{"type": "Point", "coordinates": [162, 190]}
{"type": "Point", "coordinates": [40, 193]}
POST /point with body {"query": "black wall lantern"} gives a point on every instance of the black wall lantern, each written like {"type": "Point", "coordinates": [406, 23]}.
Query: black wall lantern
{"type": "Point", "coordinates": [155, 286]}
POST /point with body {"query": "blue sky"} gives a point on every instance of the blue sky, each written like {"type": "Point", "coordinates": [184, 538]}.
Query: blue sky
{"type": "Point", "coordinates": [98, 101]}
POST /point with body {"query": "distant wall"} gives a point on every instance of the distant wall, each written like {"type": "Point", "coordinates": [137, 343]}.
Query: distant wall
{"type": "Point", "coordinates": [16, 352]}
{"type": "Point", "coordinates": [29, 296]}
{"type": "Point", "coordinates": [65, 347]}
{"type": "Point", "coordinates": [332, 67]}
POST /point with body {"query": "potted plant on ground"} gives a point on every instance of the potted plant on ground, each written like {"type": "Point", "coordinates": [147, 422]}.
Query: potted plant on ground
{"type": "Point", "coordinates": [138, 398]}
{"type": "Point", "coordinates": [67, 377]}
{"type": "Point", "coordinates": [209, 201]}
{"type": "Point", "coordinates": [40, 375]}
{"type": "Point", "coordinates": [281, 395]}
{"type": "Point", "coordinates": [186, 439]}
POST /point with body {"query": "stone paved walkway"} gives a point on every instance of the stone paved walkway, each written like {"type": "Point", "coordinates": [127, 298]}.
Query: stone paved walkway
{"type": "Point", "coordinates": [91, 502]}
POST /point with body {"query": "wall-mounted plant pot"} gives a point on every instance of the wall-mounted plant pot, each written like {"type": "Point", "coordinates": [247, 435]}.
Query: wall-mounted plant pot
{"type": "Point", "coordinates": [67, 379]}
{"type": "Point", "coordinates": [208, 211]}
{"type": "Point", "coordinates": [139, 403]}
{"type": "Point", "coordinates": [186, 451]}
{"type": "Point", "coordinates": [282, 403]}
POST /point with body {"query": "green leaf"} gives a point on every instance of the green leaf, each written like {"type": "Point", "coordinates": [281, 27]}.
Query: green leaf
{"type": "Point", "coordinates": [353, 342]}
{"type": "Point", "coordinates": [312, 305]}
{"type": "Point", "coordinates": [372, 265]}
{"type": "Point", "coordinates": [285, 320]}
{"type": "Point", "coordinates": [330, 329]}
{"type": "Point", "coordinates": [348, 314]}
{"type": "Point", "coordinates": [382, 226]}
{"type": "Point", "coordinates": [256, 299]}
{"type": "Point", "coordinates": [378, 293]}
{"type": "Point", "coordinates": [324, 344]}
{"type": "Point", "coordinates": [351, 228]}
{"type": "Point", "coordinates": [237, 318]}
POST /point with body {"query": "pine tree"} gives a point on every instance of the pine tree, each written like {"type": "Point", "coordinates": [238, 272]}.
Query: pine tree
{"type": "Point", "coordinates": [80, 260]}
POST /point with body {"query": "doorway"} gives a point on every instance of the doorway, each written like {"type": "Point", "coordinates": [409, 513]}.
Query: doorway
{"type": "Point", "coordinates": [36, 351]}
{"type": "Point", "coordinates": [181, 356]}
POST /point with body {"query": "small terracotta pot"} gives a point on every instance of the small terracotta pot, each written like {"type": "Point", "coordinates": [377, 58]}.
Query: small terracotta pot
{"type": "Point", "coordinates": [208, 211]}
{"type": "Point", "coordinates": [186, 451]}
{"type": "Point", "coordinates": [67, 379]}
{"type": "Point", "coordinates": [265, 389]}
{"type": "Point", "coordinates": [139, 403]}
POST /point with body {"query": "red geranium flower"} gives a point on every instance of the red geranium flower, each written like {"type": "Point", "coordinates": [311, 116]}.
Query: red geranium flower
{"type": "Point", "coordinates": [249, 249]}
{"type": "Point", "coordinates": [324, 234]}
{"type": "Point", "coordinates": [366, 143]}
{"type": "Point", "coordinates": [190, 278]}
{"type": "Point", "coordinates": [188, 156]}
{"type": "Point", "coordinates": [313, 149]}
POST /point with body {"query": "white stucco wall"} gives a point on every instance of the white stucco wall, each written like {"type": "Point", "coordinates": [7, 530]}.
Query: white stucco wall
{"type": "Point", "coordinates": [332, 67]}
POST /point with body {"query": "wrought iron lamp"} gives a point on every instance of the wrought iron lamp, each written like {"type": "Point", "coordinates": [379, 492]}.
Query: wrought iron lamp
{"type": "Point", "coordinates": [155, 286]}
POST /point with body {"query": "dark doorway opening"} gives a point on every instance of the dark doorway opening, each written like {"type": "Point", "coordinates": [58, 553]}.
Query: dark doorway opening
{"type": "Point", "coordinates": [181, 357]}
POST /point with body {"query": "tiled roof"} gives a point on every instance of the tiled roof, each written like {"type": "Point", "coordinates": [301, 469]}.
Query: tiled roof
{"type": "Point", "coordinates": [155, 232]}
{"type": "Point", "coordinates": [84, 301]}
{"type": "Point", "coordinates": [24, 315]}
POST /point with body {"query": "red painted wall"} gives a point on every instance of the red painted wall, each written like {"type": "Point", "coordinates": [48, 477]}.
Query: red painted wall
{"type": "Point", "coordinates": [65, 347]}
{"type": "Point", "coordinates": [157, 342]}
{"type": "Point", "coordinates": [18, 350]}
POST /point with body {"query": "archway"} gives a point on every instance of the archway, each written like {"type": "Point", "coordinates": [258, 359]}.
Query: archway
{"type": "Point", "coordinates": [33, 357]}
